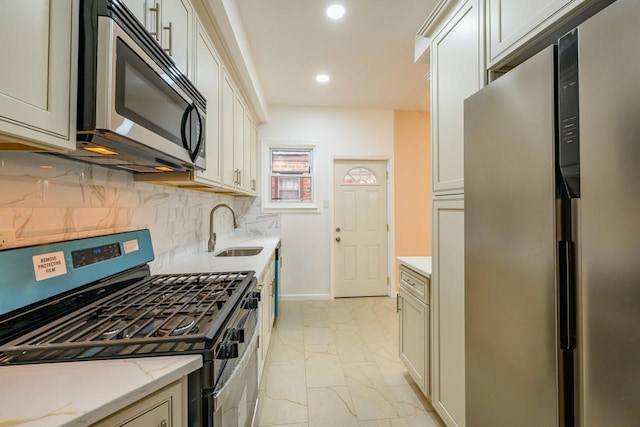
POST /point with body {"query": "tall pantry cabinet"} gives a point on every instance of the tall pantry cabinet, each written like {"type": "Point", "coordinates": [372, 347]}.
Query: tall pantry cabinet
{"type": "Point", "coordinates": [456, 32]}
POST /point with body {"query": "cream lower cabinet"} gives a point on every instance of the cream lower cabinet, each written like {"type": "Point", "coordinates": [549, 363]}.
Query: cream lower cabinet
{"type": "Point", "coordinates": [166, 407]}
{"type": "Point", "coordinates": [414, 323]}
{"type": "Point", "coordinates": [38, 47]}
{"type": "Point", "coordinates": [448, 310]}
{"type": "Point", "coordinates": [266, 284]}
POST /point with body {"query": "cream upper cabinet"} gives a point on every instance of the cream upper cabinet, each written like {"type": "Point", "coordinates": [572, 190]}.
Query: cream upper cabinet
{"type": "Point", "coordinates": [228, 131]}
{"type": "Point", "coordinates": [457, 71]}
{"type": "Point", "coordinates": [171, 23]}
{"type": "Point", "coordinates": [238, 147]}
{"type": "Point", "coordinates": [448, 394]}
{"type": "Point", "coordinates": [246, 179]}
{"type": "Point", "coordinates": [253, 164]}
{"type": "Point", "coordinates": [177, 33]}
{"type": "Point", "coordinates": [139, 9]}
{"type": "Point", "coordinates": [511, 24]}
{"type": "Point", "coordinates": [39, 53]}
{"type": "Point", "coordinates": [207, 75]}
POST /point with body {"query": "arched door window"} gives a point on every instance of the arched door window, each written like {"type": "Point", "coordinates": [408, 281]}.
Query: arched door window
{"type": "Point", "coordinates": [359, 176]}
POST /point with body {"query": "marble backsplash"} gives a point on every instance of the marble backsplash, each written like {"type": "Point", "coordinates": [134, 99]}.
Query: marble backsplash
{"type": "Point", "coordinates": [46, 198]}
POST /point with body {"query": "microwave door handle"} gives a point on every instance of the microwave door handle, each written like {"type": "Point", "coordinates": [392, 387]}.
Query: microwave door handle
{"type": "Point", "coordinates": [185, 126]}
{"type": "Point", "coordinates": [187, 131]}
{"type": "Point", "coordinates": [196, 151]}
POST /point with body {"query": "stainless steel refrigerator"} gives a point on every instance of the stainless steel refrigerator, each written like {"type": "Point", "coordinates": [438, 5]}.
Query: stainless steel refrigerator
{"type": "Point", "coordinates": [552, 233]}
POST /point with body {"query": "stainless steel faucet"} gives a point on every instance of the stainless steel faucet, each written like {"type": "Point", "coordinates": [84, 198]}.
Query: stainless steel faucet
{"type": "Point", "coordinates": [212, 235]}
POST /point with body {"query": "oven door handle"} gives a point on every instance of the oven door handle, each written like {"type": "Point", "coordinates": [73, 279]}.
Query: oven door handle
{"type": "Point", "coordinates": [220, 392]}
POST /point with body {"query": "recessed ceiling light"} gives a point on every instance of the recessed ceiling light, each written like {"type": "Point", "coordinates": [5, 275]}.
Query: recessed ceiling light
{"type": "Point", "coordinates": [322, 78]}
{"type": "Point", "coordinates": [335, 11]}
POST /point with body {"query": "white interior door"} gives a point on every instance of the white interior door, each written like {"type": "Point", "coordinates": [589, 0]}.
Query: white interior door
{"type": "Point", "coordinates": [360, 234]}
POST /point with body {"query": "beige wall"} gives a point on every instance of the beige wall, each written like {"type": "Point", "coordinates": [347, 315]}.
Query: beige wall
{"type": "Point", "coordinates": [412, 159]}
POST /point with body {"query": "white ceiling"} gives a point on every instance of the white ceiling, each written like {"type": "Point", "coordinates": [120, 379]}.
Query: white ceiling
{"type": "Point", "coordinates": [369, 54]}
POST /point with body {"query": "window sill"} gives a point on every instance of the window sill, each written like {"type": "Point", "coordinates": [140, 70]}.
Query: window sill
{"type": "Point", "coordinates": [291, 209]}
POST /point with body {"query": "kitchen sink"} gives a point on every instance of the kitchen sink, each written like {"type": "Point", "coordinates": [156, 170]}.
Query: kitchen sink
{"type": "Point", "coordinates": [245, 251]}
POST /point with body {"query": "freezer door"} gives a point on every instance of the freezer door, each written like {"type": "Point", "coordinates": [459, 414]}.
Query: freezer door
{"type": "Point", "coordinates": [510, 246]}
{"type": "Point", "coordinates": [609, 303]}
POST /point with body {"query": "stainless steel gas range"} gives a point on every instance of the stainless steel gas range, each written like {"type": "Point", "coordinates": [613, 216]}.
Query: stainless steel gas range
{"type": "Point", "coordinates": [95, 298]}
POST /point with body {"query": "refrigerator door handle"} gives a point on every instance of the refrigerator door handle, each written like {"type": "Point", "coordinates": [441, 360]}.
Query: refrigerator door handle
{"type": "Point", "coordinates": [567, 297]}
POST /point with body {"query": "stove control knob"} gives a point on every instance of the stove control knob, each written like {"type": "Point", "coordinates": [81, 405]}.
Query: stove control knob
{"type": "Point", "coordinates": [235, 334]}
{"type": "Point", "coordinates": [250, 304]}
{"type": "Point", "coordinates": [227, 350]}
{"type": "Point", "coordinates": [254, 294]}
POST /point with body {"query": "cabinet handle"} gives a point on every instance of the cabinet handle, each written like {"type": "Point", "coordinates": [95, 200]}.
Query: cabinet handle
{"type": "Point", "coordinates": [163, 423]}
{"type": "Point", "coordinates": [170, 29]}
{"type": "Point", "coordinates": [156, 10]}
{"type": "Point", "coordinates": [253, 184]}
{"type": "Point", "coordinates": [239, 177]}
{"type": "Point", "coordinates": [235, 176]}
{"type": "Point", "coordinates": [398, 303]}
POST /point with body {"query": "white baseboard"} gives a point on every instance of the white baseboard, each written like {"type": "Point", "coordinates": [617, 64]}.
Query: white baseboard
{"type": "Point", "coordinates": [303, 297]}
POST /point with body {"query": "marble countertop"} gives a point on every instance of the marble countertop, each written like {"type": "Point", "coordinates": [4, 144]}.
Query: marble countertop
{"type": "Point", "coordinates": [81, 393]}
{"type": "Point", "coordinates": [208, 262]}
{"type": "Point", "coordinates": [421, 264]}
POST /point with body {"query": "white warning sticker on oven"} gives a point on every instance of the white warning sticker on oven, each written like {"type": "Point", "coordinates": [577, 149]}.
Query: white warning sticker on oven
{"type": "Point", "coordinates": [49, 265]}
{"type": "Point", "coordinates": [130, 246]}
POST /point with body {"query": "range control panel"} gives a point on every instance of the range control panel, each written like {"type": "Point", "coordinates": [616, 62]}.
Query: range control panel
{"type": "Point", "coordinates": [93, 255]}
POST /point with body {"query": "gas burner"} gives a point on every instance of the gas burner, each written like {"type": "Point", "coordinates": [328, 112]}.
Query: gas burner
{"type": "Point", "coordinates": [120, 330]}
{"type": "Point", "coordinates": [176, 326]}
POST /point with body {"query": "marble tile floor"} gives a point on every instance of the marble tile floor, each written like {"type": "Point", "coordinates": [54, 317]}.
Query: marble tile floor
{"type": "Point", "coordinates": [335, 363]}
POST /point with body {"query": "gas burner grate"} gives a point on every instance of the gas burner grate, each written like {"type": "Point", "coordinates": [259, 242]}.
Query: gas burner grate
{"type": "Point", "coordinates": [164, 313]}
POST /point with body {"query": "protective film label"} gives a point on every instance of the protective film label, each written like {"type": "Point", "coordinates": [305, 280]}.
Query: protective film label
{"type": "Point", "coordinates": [49, 265]}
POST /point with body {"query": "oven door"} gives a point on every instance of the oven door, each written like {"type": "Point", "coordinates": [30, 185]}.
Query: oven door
{"type": "Point", "coordinates": [235, 403]}
{"type": "Point", "coordinates": [234, 398]}
{"type": "Point", "coordinates": [139, 100]}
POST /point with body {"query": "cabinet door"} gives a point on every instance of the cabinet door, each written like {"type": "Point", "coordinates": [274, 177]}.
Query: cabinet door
{"type": "Point", "coordinates": [228, 132]}
{"type": "Point", "coordinates": [457, 72]}
{"type": "Point", "coordinates": [513, 23]}
{"type": "Point", "coordinates": [263, 342]}
{"type": "Point", "coordinates": [155, 416]}
{"type": "Point", "coordinates": [414, 338]}
{"type": "Point", "coordinates": [448, 310]}
{"type": "Point", "coordinates": [207, 79]}
{"type": "Point", "coordinates": [253, 169]}
{"type": "Point", "coordinates": [238, 147]}
{"type": "Point", "coordinates": [177, 32]}
{"type": "Point", "coordinates": [38, 48]}
{"type": "Point", "coordinates": [166, 408]}
{"type": "Point", "coordinates": [246, 179]}
{"type": "Point", "coordinates": [139, 9]}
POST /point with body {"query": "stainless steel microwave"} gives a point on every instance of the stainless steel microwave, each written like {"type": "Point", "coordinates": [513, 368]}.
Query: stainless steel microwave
{"type": "Point", "coordinates": [136, 110]}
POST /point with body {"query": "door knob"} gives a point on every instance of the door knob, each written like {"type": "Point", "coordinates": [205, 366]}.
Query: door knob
{"type": "Point", "coordinates": [338, 239]}
{"type": "Point", "coordinates": [338, 229]}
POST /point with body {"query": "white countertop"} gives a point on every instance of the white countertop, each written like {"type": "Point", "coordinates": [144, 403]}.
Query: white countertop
{"type": "Point", "coordinates": [82, 393]}
{"type": "Point", "coordinates": [208, 262]}
{"type": "Point", "coordinates": [420, 264]}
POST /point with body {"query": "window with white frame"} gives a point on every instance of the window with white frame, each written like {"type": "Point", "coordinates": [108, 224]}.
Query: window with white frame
{"type": "Point", "coordinates": [291, 177]}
